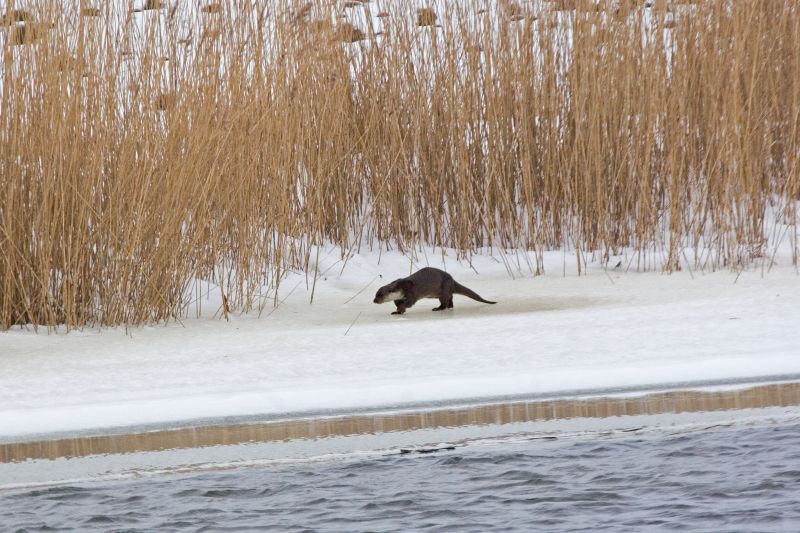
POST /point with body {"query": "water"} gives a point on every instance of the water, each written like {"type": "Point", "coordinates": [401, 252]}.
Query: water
{"type": "Point", "coordinates": [739, 478]}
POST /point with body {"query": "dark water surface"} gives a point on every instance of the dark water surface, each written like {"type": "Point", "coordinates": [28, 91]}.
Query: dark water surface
{"type": "Point", "coordinates": [719, 479]}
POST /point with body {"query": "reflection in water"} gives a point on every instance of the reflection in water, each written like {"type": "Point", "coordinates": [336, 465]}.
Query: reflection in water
{"type": "Point", "coordinates": [774, 395]}
{"type": "Point", "coordinates": [734, 479]}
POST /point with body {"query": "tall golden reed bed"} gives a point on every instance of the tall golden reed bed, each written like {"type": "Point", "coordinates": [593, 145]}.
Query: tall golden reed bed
{"type": "Point", "coordinates": [144, 149]}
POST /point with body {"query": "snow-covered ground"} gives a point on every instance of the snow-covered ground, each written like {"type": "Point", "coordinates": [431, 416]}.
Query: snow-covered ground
{"type": "Point", "coordinates": [557, 332]}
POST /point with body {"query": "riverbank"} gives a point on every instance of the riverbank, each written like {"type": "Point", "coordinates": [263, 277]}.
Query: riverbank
{"type": "Point", "coordinates": [374, 434]}
{"type": "Point", "coordinates": [604, 329]}
{"type": "Point", "coordinates": [507, 414]}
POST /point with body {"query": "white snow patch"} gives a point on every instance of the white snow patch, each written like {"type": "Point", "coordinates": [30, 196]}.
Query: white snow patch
{"type": "Point", "coordinates": [547, 334]}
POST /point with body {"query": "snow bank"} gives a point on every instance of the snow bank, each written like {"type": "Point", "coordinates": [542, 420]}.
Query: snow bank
{"type": "Point", "coordinates": [551, 333]}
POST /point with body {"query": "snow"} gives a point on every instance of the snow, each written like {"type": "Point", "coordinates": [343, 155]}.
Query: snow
{"type": "Point", "coordinates": [559, 332]}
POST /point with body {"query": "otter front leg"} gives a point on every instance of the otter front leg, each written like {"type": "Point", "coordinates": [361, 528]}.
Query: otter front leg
{"type": "Point", "coordinates": [401, 307]}
{"type": "Point", "coordinates": [403, 304]}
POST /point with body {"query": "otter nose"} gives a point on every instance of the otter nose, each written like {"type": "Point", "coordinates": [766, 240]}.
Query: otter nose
{"type": "Point", "coordinates": [375, 300]}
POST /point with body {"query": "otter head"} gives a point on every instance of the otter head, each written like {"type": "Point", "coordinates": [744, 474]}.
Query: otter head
{"type": "Point", "coordinates": [391, 292]}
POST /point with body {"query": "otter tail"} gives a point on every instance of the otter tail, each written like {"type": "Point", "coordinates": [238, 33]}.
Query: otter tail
{"type": "Point", "coordinates": [460, 289]}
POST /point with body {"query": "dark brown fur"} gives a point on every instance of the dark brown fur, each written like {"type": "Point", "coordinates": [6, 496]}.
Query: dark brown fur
{"type": "Point", "coordinates": [424, 283]}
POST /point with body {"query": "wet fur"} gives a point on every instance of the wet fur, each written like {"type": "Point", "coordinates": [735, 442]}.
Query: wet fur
{"type": "Point", "coordinates": [424, 283]}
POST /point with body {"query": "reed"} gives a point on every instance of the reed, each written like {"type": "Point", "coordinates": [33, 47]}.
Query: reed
{"type": "Point", "coordinates": [146, 149]}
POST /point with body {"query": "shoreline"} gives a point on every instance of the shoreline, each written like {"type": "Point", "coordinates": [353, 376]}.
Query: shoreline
{"type": "Point", "coordinates": [713, 398]}
{"type": "Point", "coordinates": [554, 336]}
{"type": "Point", "coordinates": [408, 407]}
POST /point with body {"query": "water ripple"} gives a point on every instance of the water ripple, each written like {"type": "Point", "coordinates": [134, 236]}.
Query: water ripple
{"type": "Point", "coordinates": [720, 479]}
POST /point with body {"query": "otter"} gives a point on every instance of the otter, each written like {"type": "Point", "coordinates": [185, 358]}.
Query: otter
{"type": "Point", "coordinates": [424, 283]}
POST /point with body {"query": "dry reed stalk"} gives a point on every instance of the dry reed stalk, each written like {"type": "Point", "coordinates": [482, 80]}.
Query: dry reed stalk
{"type": "Point", "coordinates": [145, 151]}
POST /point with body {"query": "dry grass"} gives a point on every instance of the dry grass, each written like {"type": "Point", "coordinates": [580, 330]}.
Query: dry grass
{"type": "Point", "coordinates": [142, 150]}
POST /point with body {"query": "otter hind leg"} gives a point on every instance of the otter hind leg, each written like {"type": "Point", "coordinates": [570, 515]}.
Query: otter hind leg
{"type": "Point", "coordinates": [446, 298]}
{"type": "Point", "coordinates": [447, 293]}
